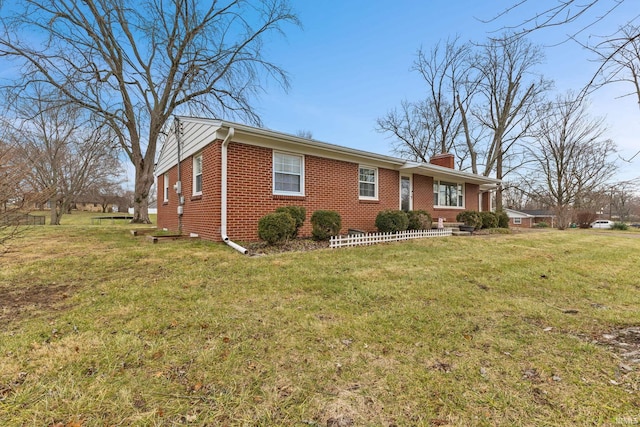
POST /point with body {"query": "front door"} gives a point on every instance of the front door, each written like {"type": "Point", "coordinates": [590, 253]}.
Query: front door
{"type": "Point", "coordinates": [406, 193]}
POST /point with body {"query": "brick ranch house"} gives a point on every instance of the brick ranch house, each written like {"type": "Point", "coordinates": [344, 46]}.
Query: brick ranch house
{"type": "Point", "coordinates": [530, 218]}
{"type": "Point", "coordinates": [216, 179]}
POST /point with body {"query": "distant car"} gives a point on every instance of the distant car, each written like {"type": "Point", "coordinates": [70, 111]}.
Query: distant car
{"type": "Point", "coordinates": [635, 225]}
{"type": "Point", "coordinates": [602, 223]}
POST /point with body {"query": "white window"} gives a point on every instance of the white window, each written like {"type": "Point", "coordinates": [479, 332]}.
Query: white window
{"type": "Point", "coordinates": [517, 221]}
{"type": "Point", "coordinates": [288, 174]}
{"type": "Point", "coordinates": [448, 194]}
{"type": "Point", "coordinates": [368, 183]}
{"type": "Point", "coordinates": [165, 181]}
{"type": "Point", "coordinates": [197, 174]}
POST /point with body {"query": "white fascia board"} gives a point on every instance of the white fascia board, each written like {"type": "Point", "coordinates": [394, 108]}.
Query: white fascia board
{"type": "Point", "coordinates": [444, 173]}
{"type": "Point", "coordinates": [512, 213]}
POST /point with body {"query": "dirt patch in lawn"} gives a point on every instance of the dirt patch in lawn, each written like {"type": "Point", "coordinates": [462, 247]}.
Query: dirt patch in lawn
{"type": "Point", "coordinates": [624, 342]}
{"type": "Point", "coordinates": [17, 303]}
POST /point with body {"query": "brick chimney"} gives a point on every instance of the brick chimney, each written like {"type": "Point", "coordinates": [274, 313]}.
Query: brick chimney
{"type": "Point", "coordinates": [445, 160]}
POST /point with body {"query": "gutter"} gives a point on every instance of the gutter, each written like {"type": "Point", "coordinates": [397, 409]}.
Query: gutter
{"type": "Point", "coordinates": [223, 196]}
{"type": "Point", "coordinates": [178, 184]}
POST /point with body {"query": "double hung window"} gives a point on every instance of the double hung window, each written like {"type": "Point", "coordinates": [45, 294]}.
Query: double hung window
{"type": "Point", "coordinates": [197, 174]}
{"type": "Point", "coordinates": [288, 174]}
{"type": "Point", "coordinates": [368, 183]}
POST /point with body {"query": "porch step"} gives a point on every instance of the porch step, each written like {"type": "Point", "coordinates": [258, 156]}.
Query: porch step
{"type": "Point", "coordinates": [460, 233]}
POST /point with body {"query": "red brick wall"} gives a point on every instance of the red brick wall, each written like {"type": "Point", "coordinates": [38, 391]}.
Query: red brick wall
{"type": "Point", "coordinates": [525, 223]}
{"type": "Point", "coordinates": [201, 213]}
{"type": "Point", "coordinates": [486, 199]}
{"type": "Point", "coordinates": [445, 160]}
{"type": "Point", "coordinates": [329, 184]}
{"type": "Point", "coordinates": [166, 210]}
{"type": "Point", "coordinates": [423, 193]}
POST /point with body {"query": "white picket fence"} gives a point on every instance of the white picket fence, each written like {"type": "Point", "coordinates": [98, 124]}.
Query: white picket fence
{"type": "Point", "coordinates": [373, 238]}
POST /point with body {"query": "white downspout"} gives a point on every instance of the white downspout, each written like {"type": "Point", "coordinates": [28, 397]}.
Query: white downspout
{"type": "Point", "coordinates": [223, 196]}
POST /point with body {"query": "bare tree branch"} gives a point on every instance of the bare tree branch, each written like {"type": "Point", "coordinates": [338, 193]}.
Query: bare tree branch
{"type": "Point", "coordinates": [135, 64]}
{"type": "Point", "coordinates": [572, 157]}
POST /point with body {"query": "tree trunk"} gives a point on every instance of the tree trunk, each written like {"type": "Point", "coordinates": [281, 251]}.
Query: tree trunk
{"type": "Point", "coordinates": [499, 176]}
{"type": "Point", "coordinates": [143, 183]}
{"type": "Point", "coordinates": [56, 213]}
{"type": "Point", "coordinates": [563, 217]}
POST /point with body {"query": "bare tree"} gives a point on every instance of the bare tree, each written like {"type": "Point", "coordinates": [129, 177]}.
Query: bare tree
{"type": "Point", "coordinates": [622, 198]}
{"type": "Point", "coordinates": [515, 194]}
{"type": "Point", "coordinates": [432, 125]}
{"type": "Point", "coordinates": [617, 52]}
{"type": "Point", "coordinates": [135, 63]}
{"type": "Point", "coordinates": [620, 63]}
{"type": "Point", "coordinates": [105, 192]}
{"type": "Point", "coordinates": [412, 130]}
{"type": "Point", "coordinates": [510, 93]}
{"type": "Point", "coordinates": [65, 150]}
{"type": "Point", "coordinates": [12, 198]}
{"type": "Point", "coordinates": [444, 71]}
{"type": "Point", "coordinates": [572, 158]}
{"type": "Point", "coordinates": [580, 15]}
{"type": "Point", "coordinates": [479, 103]}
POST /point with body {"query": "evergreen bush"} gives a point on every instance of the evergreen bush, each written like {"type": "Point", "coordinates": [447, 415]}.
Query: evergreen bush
{"type": "Point", "coordinates": [619, 226]}
{"type": "Point", "coordinates": [325, 224]}
{"type": "Point", "coordinates": [489, 219]}
{"type": "Point", "coordinates": [503, 219]}
{"type": "Point", "coordinates": [392, 221]}
{"type": "Point", "coordinates": [298, 213]}
{"type": "Point", "coordinates": [470, 218]}
{"type": "Point", "coordinates": [419, 220]}
{"type": "Point", "coordinates": [276, 227]}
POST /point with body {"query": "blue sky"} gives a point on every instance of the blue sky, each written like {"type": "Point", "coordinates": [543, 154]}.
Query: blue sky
{"type": "Point", "coordinates": [350, 64]}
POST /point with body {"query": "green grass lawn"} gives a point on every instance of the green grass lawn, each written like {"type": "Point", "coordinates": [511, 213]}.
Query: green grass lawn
{"type": "Point", "coordinates": [101, 328]}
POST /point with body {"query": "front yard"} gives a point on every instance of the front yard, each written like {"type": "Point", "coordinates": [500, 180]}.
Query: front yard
{"type": "Point", "coordinates": [102, 328]}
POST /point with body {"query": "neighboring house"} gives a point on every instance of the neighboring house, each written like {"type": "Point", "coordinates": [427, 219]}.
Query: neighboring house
{"type": "Point", "coordinates": [216, 179]}
{"type": "Point", "coordinates": [519, 219]}
{"type": "Point", "coordinates": [542, 215]}
{"type": "Point", "coordinates": [530, 217]}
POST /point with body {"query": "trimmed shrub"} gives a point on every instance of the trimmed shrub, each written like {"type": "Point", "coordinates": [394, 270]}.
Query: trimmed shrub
{"type": "Point", "coordinates": [392, 221]}
{"type": "Point", "coordinates": [298, 213]}
{"type": "Point", "coordinates": [325, 224]}
{"type": "Point", "coordinates": [470, 218]}
{"type": "Point", "coordinates": [419, 220]}
{"type": "Point", "coordinates": [489, 219]}
{"type": "Point", "coordinates": [276, 227]}
{"type": "Point", "coordinates": [542, 224]}
{"type": "Point", "coordinates": [503, 219]}
{"type": "Point", "coordinates": [619, 226]}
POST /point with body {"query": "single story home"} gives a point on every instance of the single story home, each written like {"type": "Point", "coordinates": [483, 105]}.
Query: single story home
{"type": "Point", "coordinates": [530, 217]}
{"type": "Point", "coordinates": [519, 219]}
{"type": "Point", "coordinates": [216, 179]}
